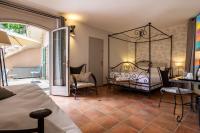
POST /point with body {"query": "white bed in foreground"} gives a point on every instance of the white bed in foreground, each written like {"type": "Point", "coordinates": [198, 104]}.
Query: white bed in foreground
{"type": "Point", "coordinates": [14, 111]}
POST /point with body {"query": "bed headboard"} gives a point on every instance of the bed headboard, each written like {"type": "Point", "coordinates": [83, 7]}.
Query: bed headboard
{"type": "Point", "coordinates": [127, 67]}
{"type": "Point", "coordinates": [142, 65]}
{"type": "Point", "coordinates": [136, 72]}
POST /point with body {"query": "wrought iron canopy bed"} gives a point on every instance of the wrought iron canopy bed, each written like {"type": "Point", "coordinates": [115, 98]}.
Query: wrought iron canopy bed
{"type": "Point", "coordinates": [137, 76]}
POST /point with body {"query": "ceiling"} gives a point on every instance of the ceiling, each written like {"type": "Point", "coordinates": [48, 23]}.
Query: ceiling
{"type": "Point", "coordinates": [119, 15]}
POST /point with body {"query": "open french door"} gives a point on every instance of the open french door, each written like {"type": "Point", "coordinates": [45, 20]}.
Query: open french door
{"type": "Point", "coordinates": [59, 62]}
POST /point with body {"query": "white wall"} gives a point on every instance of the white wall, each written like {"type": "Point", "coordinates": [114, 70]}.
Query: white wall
{"type": "Point", "coordinates": [118, 51]}
{"type": "Point", "coordinates": [79, 45]}
{"type": "Point", "coordinates": [161, 49]}
{"type": "Point", "coordinates": [26, 58]}
{"type": "Point", "coordinates": [35, 33]}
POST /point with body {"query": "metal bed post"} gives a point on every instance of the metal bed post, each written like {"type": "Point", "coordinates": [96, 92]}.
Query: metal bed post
{"type": "Point", "coordinates": [108, 56]}
{"type": "Point", "coordinates": [135, 51]}
{"type": "Point", "coordinates": [149, 57]}
{"type": "Point", "coordinates": [171, 41]}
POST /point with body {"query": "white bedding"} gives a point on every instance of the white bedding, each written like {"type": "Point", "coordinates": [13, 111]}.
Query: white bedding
{"type": "Point", "coordinates": [14, 111]}
{"type": "Point", "coordinates": [140, 77]}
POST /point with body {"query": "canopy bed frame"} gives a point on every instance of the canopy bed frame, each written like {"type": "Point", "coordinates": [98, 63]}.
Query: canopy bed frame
{"type": "Point", "coordinates": [146, 34]}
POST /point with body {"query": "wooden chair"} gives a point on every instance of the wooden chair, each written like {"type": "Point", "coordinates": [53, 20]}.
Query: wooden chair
{"type": "Point", "coordinates": [175, 91]}
{"type": "Point", "coordinates": [77, 85]}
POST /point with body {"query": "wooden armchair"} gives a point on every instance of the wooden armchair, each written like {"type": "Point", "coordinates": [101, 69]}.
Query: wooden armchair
{"type": "Point", "coordinates": [39, 115]}
{"type": "Point", "coordinates": [77, 84]}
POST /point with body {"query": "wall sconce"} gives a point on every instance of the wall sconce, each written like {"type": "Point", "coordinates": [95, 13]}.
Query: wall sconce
{"type": "Point", "coordinates": [72, 30]}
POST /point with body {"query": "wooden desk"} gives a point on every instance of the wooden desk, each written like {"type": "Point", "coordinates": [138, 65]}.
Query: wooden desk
{"type": "Point", "coordinates": [183, 80]}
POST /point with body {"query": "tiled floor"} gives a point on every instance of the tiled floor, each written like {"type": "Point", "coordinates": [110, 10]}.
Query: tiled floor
{"type": "Point", "coordinates": [124, 111]}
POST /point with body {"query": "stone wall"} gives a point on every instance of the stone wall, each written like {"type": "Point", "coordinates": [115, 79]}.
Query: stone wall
{"type": "Point", "coordinates": [161, 49]}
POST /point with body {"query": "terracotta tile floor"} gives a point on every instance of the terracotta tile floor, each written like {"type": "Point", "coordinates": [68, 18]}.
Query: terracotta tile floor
{"type": "Point", "coordinates": [125, 111]}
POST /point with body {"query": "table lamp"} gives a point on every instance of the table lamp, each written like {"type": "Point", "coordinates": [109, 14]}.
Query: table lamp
{"type": "Point", "coordinates": [4, 41]}
{"type": "Point", "coordinates": [179, 65]}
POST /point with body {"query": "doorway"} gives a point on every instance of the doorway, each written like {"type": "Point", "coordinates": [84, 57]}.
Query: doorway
{"type": "Point", "coordinates": [96, 58]}
{"type": "Point", "coordinates": [26, 56]}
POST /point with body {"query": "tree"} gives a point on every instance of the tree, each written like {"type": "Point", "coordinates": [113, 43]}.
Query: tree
{"type": "Point", "coordinates": [17, 28]}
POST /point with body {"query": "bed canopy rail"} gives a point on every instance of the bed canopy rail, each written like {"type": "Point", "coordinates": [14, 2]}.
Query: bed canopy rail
{"type": "Point", "coordinates": [129, 66]}
{"type": "Point", "coordinates": [146, 34]}
{"type": "Point", "coordinates": [143, 34]}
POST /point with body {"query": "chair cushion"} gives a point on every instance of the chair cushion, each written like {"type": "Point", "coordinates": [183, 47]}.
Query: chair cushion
{"type": "Point", "coordinates": [83, 77]}
{"type": "Point", "coordinates": [84, 85]}
{"type": "Point", "coordinates": [4, 93]}
{"type": "Point", "coordinates": [175, 90]}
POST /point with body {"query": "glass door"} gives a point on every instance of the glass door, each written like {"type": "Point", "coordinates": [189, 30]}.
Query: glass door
{"type": "Point", "coordinates": [59, 62]}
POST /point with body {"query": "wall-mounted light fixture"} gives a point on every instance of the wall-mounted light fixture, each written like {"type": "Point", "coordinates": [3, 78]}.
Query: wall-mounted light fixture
{"type": "Point", "coordinates": [72, 30]}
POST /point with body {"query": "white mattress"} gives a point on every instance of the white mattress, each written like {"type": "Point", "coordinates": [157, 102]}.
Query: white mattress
{"type": "Point", "coordinates": [14, 111]}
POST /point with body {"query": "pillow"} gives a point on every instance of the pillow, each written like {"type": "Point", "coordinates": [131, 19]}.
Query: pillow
{"type": "Point", "coordinates": [76, 70]}
{"type": "Point", "coordinates": [114, 74]}
{"type": "Point", "coordinates": [83, 77]}
{"type": "Point", "coordinates": [4, 93]}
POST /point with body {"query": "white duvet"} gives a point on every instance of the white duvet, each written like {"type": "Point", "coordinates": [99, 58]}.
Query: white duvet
{"type": "Point", "coordinates": [14, 111]}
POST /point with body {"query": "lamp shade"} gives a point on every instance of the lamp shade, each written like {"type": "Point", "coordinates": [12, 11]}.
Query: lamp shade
{"type": "Point", "coordinates": [4, 40]}
{"type": "Point", "coordinates": [178, 64]}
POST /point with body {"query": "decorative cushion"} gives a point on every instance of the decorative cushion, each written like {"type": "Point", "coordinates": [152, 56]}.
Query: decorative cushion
{"type": "Point", "coordinates": [4, 93]}
{"type": "Point", "coordinates": [123, 77]}
{"type": "Point", "coordinates": [83, 77]}
{"type": "Point", "coordinates": [76, 70]}
{"type": "Point", "coordinates": [84, 85]}
{"type": "Point", "coordinates": [175, 90]}
{"type": "Point", "coordinates": [114, 74]}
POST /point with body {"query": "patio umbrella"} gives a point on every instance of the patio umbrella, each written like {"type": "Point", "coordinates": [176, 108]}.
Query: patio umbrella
{"type": "Point", "coordinates": [21, 40]}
